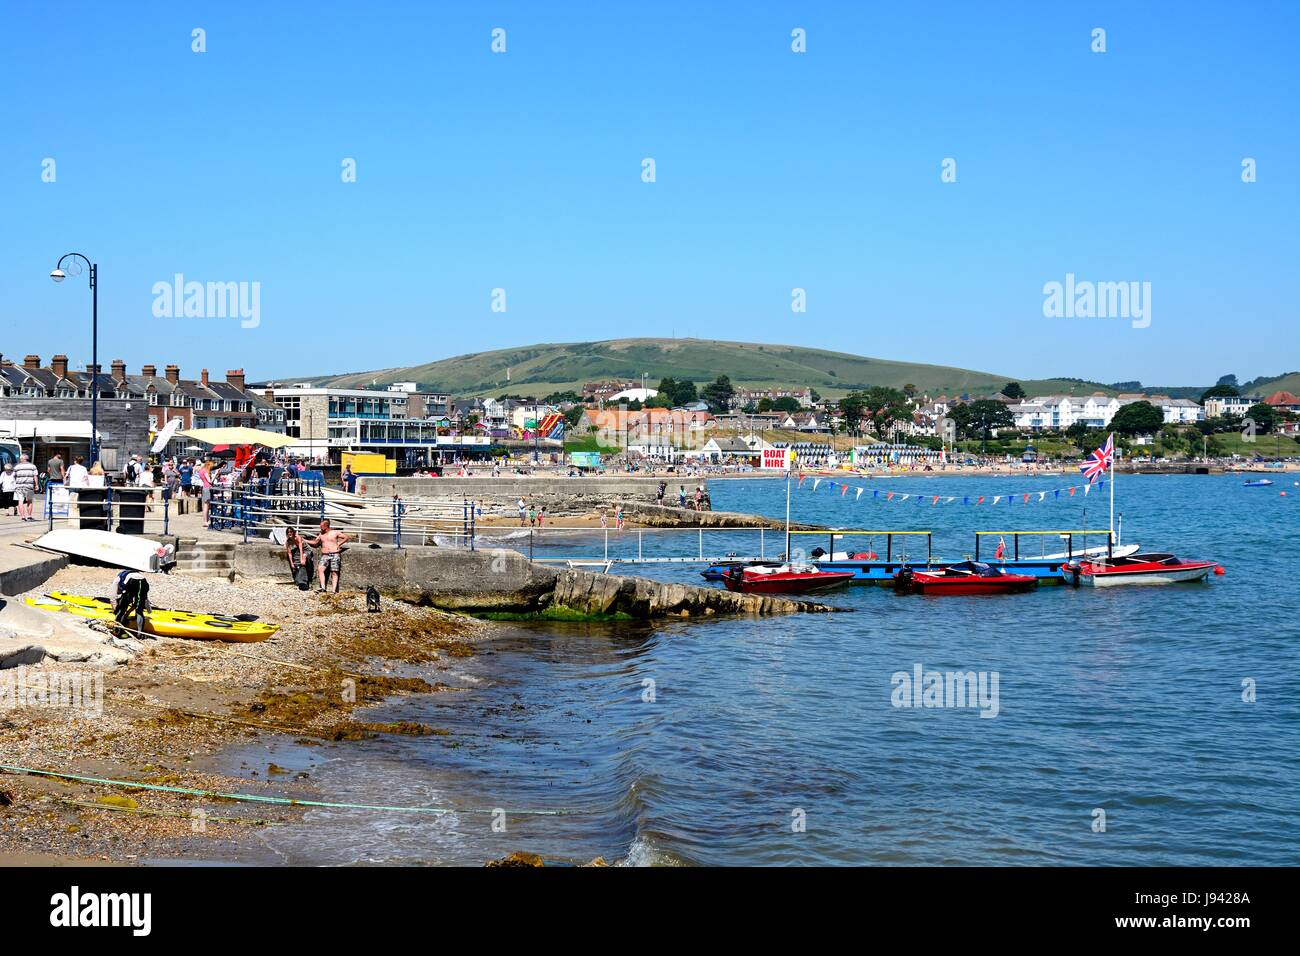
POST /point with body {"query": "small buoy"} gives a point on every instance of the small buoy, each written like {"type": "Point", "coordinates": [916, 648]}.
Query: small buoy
{"type": "Point", "coordinates": [1218, 570]}
{"type": "Point", "coordinates": [1282, 493]}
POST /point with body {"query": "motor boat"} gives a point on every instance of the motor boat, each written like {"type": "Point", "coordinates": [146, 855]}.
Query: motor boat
{"type": "Point", "coordinates": [716, 572]}
{"type": "Point", "coordinates": [782, 579]}
{"type": "Point", "coordinates": [969, 577]}
{"type": "Point", "coordinates": [1259, 483]}
{"type": "Point", "coordinates": [1137, 569]}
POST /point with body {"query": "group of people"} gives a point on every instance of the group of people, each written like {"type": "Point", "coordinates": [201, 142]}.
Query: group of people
{"type": "Point", "coordinates": [328, 558]}
{"type": "Point", "coordinates": [530, 515]}
{"type": "Point", "coordinates": [699, 501]}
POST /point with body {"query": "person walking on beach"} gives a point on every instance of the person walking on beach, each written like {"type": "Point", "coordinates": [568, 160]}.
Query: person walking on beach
{"type": "Point", "coordinates": [532, 516]}
{"type": "Point", "coordinates": [26, 478]}
{"type": "Point", "coordinates": [541, 517]}
{"type": "Point", "coordinates": [604, 519]}
{"type": "Point", "coordinates": [523, 512]}
{"type": "Point", "coordinates": [618, 517]}
{"type": "Point", "coordinates": [331, 544]}
{"type": "Point", "coordinates": [681, 496]}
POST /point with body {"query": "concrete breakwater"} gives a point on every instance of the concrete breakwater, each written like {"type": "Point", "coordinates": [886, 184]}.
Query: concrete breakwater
{"type": "Point", "coordinates": [552, 491]}
{"type": "Point", "coordinates": [671, 516]}
{"type": "Point", "coordinates": [505, 582]}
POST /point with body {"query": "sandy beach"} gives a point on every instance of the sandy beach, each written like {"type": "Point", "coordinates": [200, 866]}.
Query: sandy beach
{"type": "Point", "coordinates": [177, 703]}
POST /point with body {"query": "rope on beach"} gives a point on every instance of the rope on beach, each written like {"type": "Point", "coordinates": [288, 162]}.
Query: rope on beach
{"type": "Point", "coordinates": [161, 813]}
{"type": "Point", "coordinates": [279, 801]}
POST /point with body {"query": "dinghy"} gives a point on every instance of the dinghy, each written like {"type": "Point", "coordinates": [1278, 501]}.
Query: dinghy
{"type": "Point", "coordinates": [1137, 569]}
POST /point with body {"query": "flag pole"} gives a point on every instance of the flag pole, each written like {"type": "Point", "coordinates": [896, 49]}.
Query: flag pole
{"type": "Point", "coordinates": [1112, 489]}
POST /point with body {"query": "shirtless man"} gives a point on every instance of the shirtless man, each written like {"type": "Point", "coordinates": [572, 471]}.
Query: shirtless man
{"type": "Point", "coordinates": [331, 554]}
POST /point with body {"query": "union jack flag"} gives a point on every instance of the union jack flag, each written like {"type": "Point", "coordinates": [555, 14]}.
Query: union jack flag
{"type": "Point", "coordinates": [1096, 464]}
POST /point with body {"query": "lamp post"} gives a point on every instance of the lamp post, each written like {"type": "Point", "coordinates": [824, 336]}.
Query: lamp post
{"type": "Point", "coordinates": [58, 275]}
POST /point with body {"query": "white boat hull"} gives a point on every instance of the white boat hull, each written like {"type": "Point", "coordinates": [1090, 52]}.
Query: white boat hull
{"type": "Point", "coordinates": [109, 547]}
{"type": "Point", "coordinates": [1119, 578]}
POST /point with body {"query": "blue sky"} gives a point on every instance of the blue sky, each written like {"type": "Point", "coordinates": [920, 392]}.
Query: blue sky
{"type": "Point", "coordinates": [775, 170]}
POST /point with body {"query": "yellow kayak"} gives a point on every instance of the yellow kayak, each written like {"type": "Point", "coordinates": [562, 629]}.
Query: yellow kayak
{"type": "Point", "coordinates": [163, 623]}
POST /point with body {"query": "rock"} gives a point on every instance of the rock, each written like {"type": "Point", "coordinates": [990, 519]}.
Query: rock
{"type": "Point", "coordinates": [518, 858]}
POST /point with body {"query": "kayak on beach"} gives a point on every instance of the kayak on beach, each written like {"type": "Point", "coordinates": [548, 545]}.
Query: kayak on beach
{"type": "Point", "coordinates": [160, 622]}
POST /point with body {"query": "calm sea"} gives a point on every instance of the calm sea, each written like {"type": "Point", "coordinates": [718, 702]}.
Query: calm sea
{"type": "Point", "coordinates": [779, 741]}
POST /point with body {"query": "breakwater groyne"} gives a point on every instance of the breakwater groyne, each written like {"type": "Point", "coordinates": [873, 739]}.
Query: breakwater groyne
{"type": "Point", "coordinates": [505, 582]}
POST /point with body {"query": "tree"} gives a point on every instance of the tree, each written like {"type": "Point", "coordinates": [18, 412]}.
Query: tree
{"type": "Point", "coordinates": [909, 390]}
{"type": "Point", "coordinates": [852, 409]}
{"type": "Point", "coordinates": [676, 392]}
{"type": "Point", "coordinates": [718, 394]}
{"type": "Point", "coordinates": [786, 404]}
{"type": "Point", "coordinates": [1137, 418]}
{"type": "Point", "coordinates": [986, 416]}
{"type": "Point", "coordinates": [885, 407]}
{"type": "Point", "coordinates": [1013, 390]}
{"type": "Point", "coordinates": [1217, 391]}
{"type": "Point", "coordinates": [573, 416]}
{"type": "Point", "coordinates": [764, 404]}
{"type": "Point", "coordinates": [1230, 380]}
{"type": "Point", "coordinates": [1264, 416]}
{"type": "Point", "coordinates": [812, 393]}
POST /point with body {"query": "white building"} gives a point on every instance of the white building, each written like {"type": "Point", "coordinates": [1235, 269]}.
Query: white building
{"type": "Point", "coordinates": [641, 395]}
{"type": "Point", "coordinates": [1217, 406]}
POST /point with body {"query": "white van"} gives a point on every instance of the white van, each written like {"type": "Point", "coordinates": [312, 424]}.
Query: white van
{"type": "Point", "coordinates": [9, 452]}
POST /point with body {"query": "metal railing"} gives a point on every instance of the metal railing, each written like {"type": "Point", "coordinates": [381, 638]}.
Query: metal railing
{"type": "Point", "coordinates": [253, 512]}
{"type": "Point", "coordinates": [125, 509]}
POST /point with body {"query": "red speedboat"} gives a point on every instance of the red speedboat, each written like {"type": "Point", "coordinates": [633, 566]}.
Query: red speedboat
{"type": "Point", "coordinates": [969, 577]}
{"type": "Point", "coordinates": [1136, 569]}
{"type": "Point", "coordinates": [782, 579]}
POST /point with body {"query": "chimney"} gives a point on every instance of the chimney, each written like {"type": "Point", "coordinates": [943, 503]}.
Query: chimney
{"type": "Point", "coordinates": [119, 370]}
{"type": "Point", "coordinates": [91, 369]}
{"type": "Point", "coordinates": [270, 394]}
{"type": "Point", "coordinates": [204, 378]}
{"type": "Point", "coordinates": [235, 377]}
{"type": "Point", "coordinates": [173, 374]}
{"type": "Point", "coordinates": [32, 361]}
{"type": "Point", "coordinates": [149, 371]}
{"type": "Point", "coordinates": [59, 364]}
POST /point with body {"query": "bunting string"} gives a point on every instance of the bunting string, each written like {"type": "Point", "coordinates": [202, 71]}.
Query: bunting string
{"type": "Point", "coordinates": [1065, 492]}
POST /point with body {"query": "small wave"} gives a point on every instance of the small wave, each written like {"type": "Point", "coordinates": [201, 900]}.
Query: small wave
{"type": "Point", "coordinates": [645, 852]}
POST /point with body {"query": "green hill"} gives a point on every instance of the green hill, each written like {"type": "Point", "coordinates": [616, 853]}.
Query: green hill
{"type": "Point", "coordinates": [1266, 386]}
{"type": "Point", "coordinates": [539, 369]}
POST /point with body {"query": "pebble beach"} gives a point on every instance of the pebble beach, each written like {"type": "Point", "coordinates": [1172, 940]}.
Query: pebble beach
{"type": "Point", "coordinates": [160, 719]}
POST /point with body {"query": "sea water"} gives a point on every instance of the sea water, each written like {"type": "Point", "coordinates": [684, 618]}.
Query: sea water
{"type": "Point", "coordinates": [1136, 725]}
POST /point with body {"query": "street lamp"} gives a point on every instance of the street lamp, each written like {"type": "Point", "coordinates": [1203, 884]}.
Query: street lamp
{"type": "Point", "coordinates": [58, 275]}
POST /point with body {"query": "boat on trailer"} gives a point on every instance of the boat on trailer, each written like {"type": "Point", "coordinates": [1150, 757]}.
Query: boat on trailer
{"type": "Point", "coordinates": [968, 577]}
{"type": "Point", "coordinates": [1137, 569]}
{"type": "Point", "coordinates": [783, 579]}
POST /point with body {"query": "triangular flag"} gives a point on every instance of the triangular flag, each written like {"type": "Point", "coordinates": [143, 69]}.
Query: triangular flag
{"type": "Point", "coordinates": [981, 501]}
{"type": "Point", "coordinates": [889, 497]}
{"type": "Point", "coordinates": [859, 494]}
{"type": "Point", "coordinates": [843, 490]}
{"type": "Point", "coordinates": [1026, 501]}
{"type": "Point", "coordinates": [996, 499]}
{"type": "Point", "coordinates": [936, 500]}
{"type": "Point", "coordinates": [816, 482]}
{"type": "Point", "coordinates": [1042, 495]}
{"type": "Point", "coordinates": [1071, 492]}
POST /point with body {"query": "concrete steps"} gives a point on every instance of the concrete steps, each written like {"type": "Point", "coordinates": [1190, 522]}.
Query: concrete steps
{"type": "Point", "coordinates": [211, 559]}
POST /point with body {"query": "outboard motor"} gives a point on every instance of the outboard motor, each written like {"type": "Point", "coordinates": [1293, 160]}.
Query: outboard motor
{"type": "Point", "coordinates": [903, 580]}
{"type": "Point", "coordinates": [1072, 572]}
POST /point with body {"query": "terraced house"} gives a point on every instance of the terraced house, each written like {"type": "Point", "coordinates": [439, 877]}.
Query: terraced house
{"type": "Point", "coordinates": [51, 405]}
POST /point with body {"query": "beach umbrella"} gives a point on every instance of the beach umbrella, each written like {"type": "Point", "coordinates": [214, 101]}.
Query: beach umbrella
{"type": "Point", "coordinates": [226, 437]}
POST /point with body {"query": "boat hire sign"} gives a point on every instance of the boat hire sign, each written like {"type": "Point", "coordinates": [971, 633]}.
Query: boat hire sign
{"type": "Point", "coordinates": [777, 459]}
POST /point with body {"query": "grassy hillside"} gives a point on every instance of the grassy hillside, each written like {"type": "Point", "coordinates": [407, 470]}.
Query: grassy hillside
{"type": "Point", "coordinates": [1264, 386]}
{"type": "Point", "coordinates": [538, 369]}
